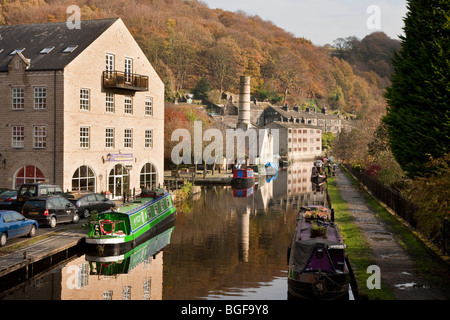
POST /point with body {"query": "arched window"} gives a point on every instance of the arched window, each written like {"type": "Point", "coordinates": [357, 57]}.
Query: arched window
{"type": "Point", "coordinates": [28, 174]}
{"type": "Point", "coordinates": [148, 178]}
{"type": "Point", "coordinates": [118, 181]}
{"type": "Point", "coordinates": [83, 179]}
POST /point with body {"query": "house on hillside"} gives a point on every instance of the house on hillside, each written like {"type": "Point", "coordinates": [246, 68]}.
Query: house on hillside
{"type": "Point", "coordinates": [326, 122]}
{"type": "Point", "coordinates": [82, 108]}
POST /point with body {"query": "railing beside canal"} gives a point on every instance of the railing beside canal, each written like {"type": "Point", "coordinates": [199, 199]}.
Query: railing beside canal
{"type": "Point", "coordinates": [400, 205]}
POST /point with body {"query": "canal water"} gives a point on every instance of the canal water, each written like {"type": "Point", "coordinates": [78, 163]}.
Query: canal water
{"type": "Point", "coordinates": [225, 244]}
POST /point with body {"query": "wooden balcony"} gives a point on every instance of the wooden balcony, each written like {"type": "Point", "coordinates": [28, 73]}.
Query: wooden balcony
{"type": "Point", "coordinates": [127, 81]}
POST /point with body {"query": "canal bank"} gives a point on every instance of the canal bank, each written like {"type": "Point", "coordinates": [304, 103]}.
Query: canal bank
{"type": "Point", "coordinates": [388, 260]}
{"type": "Point", "coordinates": [28, 261]}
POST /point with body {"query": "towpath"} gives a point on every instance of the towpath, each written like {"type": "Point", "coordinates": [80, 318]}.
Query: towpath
{"type": "Point", "coordinates": [396, 266]}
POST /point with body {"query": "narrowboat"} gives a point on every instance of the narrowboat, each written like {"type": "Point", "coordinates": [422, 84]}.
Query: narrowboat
{"type": "Point", "coordinates": [317, 266]}
{"type": "Point", "coordinates": [243, 178]}
{"type": "Point", "coordinates": [318, 176]}
{"type": "Point", "coordinates": [125, 263]}
{"type": "Point", "coordinates": [120, 229]}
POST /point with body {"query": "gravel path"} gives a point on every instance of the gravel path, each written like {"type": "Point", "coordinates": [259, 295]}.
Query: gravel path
{"type": "Point", "coordinates": [396, 267]}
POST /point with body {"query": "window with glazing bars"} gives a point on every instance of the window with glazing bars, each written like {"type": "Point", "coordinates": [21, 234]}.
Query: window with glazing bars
{"type": "Point", "coordinates": [18, 136]}
{"type": "Point", "coordinates": [84, 137]}
{"type": "Point", "coordinates": [40, 137]}
{"type": "Point", "coordinates": [128, 138]}
{"type": "Point", "coordinates": [84, 99]}
{"type": "Point", "coordinates": [18, 96]}
{"type": "Point", "coordinates": [40, 98]}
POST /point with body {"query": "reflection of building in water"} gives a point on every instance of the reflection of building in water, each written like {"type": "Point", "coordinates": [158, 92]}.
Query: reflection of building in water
{"type": "Point", "coordinates": [263, 196]}
{"type": "Point", "coordinates": [143, 283]}
{"type": "Point", "coordinates": [135, 275]}
{"type": "Point", "coordinates": [293, 186]}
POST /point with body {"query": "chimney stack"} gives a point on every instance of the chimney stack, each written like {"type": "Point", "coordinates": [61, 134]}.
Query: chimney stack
{"type": "Point", "coordinates": [244, 103]}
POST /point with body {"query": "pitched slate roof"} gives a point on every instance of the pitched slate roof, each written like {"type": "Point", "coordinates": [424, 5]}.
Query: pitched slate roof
{"type": "Point", "coordinates": [299, 114]}
{"type": "Point", "coordinates": [33, 38]}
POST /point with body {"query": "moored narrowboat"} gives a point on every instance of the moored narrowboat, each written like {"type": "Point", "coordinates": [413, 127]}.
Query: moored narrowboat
{"type": "Point", "coordinates": [243, 178]}
{"type": "Point", "coordinates": [123, 228]}
{"type": "Point", "coordinates": [317, 266]}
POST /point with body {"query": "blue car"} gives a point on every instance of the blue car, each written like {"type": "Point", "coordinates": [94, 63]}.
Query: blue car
{"type": "Point", "coordinates": [13, 225]}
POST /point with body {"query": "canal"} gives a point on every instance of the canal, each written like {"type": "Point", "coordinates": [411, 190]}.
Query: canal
{"type": "Point", "coordinates": [225, 244]}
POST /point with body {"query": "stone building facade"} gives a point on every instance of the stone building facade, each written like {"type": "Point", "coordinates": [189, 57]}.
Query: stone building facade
{"type": "Point", "coordinates": [298, 141]}
{"type": "Point", "coordinates": [81, 108]}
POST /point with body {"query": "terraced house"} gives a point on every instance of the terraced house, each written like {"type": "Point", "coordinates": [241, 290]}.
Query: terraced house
{"type": "Point", "coordinates": [81, 108]}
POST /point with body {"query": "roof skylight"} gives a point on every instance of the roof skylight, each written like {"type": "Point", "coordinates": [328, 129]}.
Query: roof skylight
{"type": "Point", "coordinates": [47, 50]}
{"type": "Point", "coordinates": [69, 49]}
{"type": "Point", "coordinates": [16, 51]}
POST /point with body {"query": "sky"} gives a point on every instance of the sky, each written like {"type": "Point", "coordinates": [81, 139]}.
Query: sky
{"type": "Point", "coordinates": [323, 21]}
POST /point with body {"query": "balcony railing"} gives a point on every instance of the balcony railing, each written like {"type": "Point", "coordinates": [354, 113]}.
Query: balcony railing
{"type": "Point", "coordinates": [123, 80]}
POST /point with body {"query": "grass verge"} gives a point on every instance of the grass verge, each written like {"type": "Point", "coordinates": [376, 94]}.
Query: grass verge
{"type": "Point", "coordinates": [358, 250]}
{"type": "Point", "coordinates": [427, 264]}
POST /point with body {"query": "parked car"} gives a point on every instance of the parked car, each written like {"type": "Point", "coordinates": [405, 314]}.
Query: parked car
{"type": "Point", "coordinates": [4, 189]}
{"type": "Point", "coordinates": [8, 200]}
{"type": "Point", "coordinates": [13, 225]}
{"type": "Point", "coordinates": [87, 201]}
{"type": "Point", "coordinates": [29, 190]}
{"type": "Point", "coordinates": [50, 210]}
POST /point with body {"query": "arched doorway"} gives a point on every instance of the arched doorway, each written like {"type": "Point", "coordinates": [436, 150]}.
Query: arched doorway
{"type": "Point", "coordinates": [28, 174]}
{"type": "Point", "coordinates": [148, 177]}
{"type": "Point", "coordinates": [118, 181]}
{"type": "Point", "coordinates": [84, 179]}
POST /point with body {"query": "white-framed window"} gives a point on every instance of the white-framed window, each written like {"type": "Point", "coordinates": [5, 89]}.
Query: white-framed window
{"type": "Point", "coordinates": [149, 138]}
{"type": "Point", "coordinates": [126, 292]}
{"type": "Point", "coordinates": [149, 106]}
{"type": "Point", "coordinates": [147, 285]}
{"type": "Point", "coordinates": [107, 295]}
{"type": "Point", "coordinates": [40, 98]}
{"type": "Point", "coordinates": [110, 102]}
{"type": "Point", "coordinates": [18, 98]}
{"type": "Point", "coordinates": [84, 99]}
{"type": "Point", "coordinates": [40, 137]}
{"type": "Point", "coordinates": [18, 136]}
{"type": "Point", "coordinates": [128, 138]}
{"type": "Point", "coordinates": [128, 69]}
{"type": "Point", "coordinates": [84, 137]}
{"type": "Point", "coordinates": [128, 104]}
{"type": "Point", "coordinates": [148, 176]}
{"type": "Point", "coordinates": [109, 63]}
{"type": "Point", "coordinates": [109, 143]}
{"type": "Point", "coordinates": [84, 179]}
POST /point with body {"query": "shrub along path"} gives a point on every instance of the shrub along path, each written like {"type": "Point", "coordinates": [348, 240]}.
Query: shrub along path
{"type": "Point", "coordinates": [397, 269]}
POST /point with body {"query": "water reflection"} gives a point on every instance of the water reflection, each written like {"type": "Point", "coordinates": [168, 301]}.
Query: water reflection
{"type": "Point", "coordinates": [137, 274]}
{"type": "Point", "coordinates": [231, 245]}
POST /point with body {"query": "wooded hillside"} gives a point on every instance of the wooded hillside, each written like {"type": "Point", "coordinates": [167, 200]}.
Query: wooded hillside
{"type": "Point", "coordinates": [186, 41]}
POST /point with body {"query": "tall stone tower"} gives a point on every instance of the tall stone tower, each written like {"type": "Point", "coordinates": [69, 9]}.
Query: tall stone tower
{"type": "Point", "coordinates": [244, 103]}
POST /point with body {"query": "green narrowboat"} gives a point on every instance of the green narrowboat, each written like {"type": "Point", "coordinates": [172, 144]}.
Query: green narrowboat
{"type": "Point", "coordinates": [123, 228]}
{"type": "Point", "coordinates": [125, 263]}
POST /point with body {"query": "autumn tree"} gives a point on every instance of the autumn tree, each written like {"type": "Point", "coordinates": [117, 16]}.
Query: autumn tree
{"type": "Point", "coordinates": [289, 71]}
{"type": "Point", "coordinates": [226, 63]}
